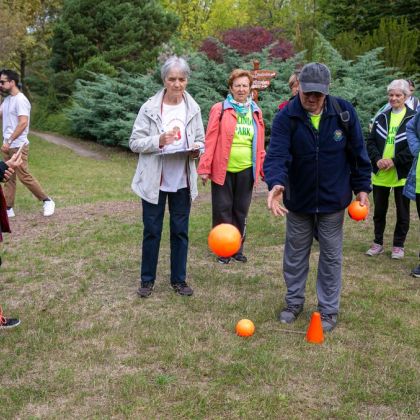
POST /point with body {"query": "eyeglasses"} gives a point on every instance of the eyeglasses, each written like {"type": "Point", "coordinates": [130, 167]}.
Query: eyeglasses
{"type": "Point", "coordinates": [2, 82]}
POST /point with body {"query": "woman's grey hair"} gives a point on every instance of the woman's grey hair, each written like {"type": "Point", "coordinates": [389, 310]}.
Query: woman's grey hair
{"type": "Point", "coordinates": [175, 62]}
{"type": "Point", "coordinates": [401, 85]}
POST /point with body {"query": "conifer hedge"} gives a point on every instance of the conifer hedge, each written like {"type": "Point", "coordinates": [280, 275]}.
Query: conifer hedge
{"type": "Point", "coordinates": [105, 108]}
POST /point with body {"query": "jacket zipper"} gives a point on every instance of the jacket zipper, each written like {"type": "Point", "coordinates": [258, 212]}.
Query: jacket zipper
{"type": "Point", "coordinates": [316, 135]}
{"type": "Point", "coordinates": [396, 133]}
{"type": "Point", "coordinates": [317, 170]}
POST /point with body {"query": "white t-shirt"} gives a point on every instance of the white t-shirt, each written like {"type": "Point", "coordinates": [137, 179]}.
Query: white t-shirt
{"type": "Point", "coordinates": [13, 107]}
{"type": "Point", "coordinates": [174, 174]}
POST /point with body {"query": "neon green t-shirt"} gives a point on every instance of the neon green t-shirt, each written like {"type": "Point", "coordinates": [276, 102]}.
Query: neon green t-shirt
{"type": "Point", "coordinates": [315, 119]}
{"type": "Point", "coordinates": [241, 152]}
{"type": "Point", "coordinates": [389, 178]}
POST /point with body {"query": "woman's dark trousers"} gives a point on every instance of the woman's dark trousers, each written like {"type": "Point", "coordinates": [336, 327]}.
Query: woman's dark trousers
{"type": "Point", "coordinates": [231, 201]}
{"type": "Point", "coordinates": [153, 214]}
{"type": "Point", "coordinates": [402, 204]}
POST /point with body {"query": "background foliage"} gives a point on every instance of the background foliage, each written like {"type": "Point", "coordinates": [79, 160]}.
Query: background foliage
{"type": "Point", "coordinates": [112, 31]}
{"type": "Point", "coordinates": [54, 43]}
{"type": "Point", "coordinates": [104, 109]}
{"type": "Point", "coordinates": [247, 40]}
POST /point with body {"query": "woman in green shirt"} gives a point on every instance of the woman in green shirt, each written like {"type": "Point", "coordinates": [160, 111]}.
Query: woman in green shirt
{"type": "Point", "coordinates": [391, 161]}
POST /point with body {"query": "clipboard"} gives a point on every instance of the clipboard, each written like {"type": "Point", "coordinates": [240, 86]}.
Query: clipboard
{"type": "Point", "coordinates": [176, 151]}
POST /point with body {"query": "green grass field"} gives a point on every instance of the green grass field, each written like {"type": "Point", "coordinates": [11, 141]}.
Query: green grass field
{"type": "Point", "coordinates": [89, 348]}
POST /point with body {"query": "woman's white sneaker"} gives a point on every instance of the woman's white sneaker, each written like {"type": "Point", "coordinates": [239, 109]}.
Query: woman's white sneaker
{"type": "Point", "coordinates": [375, 249]}
{"type": "Point", "coordinates": [397, 253]}
{"type": "Point", "coordinates": [49, 207]}
{"type": "Point", "coordinates": [10, 213]}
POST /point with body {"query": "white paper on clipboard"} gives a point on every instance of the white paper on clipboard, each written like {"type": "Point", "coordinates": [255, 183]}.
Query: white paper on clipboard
{"type": "Point", "coordinates": [174, 151]}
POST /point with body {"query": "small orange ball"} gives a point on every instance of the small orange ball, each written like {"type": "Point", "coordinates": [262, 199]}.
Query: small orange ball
{"type": "Point", "coordinates": [245, 328]}
{"type": "Point", "coordinates": [224, 240]}
{"type": "Point", "coordinates": [356, 211]}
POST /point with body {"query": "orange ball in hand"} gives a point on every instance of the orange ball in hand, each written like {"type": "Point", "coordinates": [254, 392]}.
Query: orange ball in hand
{"type": "Point", "coordinates": [245, 328]}
{"type": "Point", "coordinates": [224, 240]}
{"type": "Point", "coordinates": [357, 211]}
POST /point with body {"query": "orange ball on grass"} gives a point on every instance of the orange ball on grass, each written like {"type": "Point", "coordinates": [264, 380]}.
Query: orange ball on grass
{"type": "Point", "coordinates": [245, 328]}
{"type": "Point", "coordinates": [224, 240]}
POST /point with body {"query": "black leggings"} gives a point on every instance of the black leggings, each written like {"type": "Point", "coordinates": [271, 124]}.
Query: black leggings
{"type": "Point", "coordinates": [418, 204]}
{"type": "Point", "coordinates": [402, 204]}
{"type": "Point", "coordinates": [231, 201]}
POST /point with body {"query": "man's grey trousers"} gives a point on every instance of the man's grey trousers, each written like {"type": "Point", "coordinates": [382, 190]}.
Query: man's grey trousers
{"type": "Point", "coordinates": [299, 238]}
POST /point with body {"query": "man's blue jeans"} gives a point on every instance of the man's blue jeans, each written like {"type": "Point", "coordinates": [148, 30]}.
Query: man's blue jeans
{"type": "Point", "coordinates": [153, 214]}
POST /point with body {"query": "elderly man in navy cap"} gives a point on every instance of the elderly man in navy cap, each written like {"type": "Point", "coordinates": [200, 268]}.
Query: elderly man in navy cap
{"type": "Point", "coordinates": [315, 162]}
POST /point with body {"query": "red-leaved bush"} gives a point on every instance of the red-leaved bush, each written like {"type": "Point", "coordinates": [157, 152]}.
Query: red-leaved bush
{"type": "Point", "coordinates": [212, 50]}
{"type": "Point", "coordinates": [282, 49]}
{"type": "Point", "coordinates": [248, 40]}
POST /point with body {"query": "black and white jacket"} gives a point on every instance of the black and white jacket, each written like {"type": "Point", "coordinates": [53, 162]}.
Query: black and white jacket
{"type": "Point", "coordinates": [377, 139]}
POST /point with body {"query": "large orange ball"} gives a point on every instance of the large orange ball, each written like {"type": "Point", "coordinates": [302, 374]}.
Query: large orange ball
{"type": "Point", "coordinates": [224, 240]}
{"type": "Point", "coordinates": [245, 328]}
{"type": "Point", "coordinates": [357, 211]}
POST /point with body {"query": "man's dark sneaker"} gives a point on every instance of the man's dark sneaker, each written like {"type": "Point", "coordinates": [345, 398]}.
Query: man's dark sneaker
{"type": "Point", "coordinates": [145, 290]}
{"type": "Point", "coordinates": [7, 322]}
{"type": "Point", "coordinates": [290, 313]}
{"type": "Point", "coordinates": [329, 321]}
{"type": "Point", "coordinates": [182, 289]}
{"type": "Point", "coordinates": [223, 260]}
{"type": "Point", "coordinates": [415, 272]}
{"type": "Point", "coordinates": [240, 257]}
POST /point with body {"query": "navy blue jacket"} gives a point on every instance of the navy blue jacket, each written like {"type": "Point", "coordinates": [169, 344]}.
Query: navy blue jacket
{"type": "Point", "coordinates": [317, 169]}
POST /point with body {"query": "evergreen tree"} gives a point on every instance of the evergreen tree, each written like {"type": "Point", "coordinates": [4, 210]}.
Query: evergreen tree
{"type": "Point", "coordinates": [364, 15]}
{"type": "Point", "coordinates": [105, 108]}
{"type": "Point", "coordinates": [125, 34]}
{"type": "Point", "coordinates": [399, 42]}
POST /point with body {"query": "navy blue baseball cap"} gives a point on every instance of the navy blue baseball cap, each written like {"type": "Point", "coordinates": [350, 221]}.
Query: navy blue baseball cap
{"type": "Point", "coordinates": [315, 77]}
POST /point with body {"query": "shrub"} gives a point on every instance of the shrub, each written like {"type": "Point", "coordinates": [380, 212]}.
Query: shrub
{"type": "Point", "coordinates": [248, 40]}
{"type": "Point", "coordinates": [211, 47]}
{"type": "Point", "coordinates": [105, 108]}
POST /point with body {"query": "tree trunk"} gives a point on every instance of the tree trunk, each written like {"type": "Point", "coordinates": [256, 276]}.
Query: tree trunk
{"type": "Point", "coordinates": [23, 74]}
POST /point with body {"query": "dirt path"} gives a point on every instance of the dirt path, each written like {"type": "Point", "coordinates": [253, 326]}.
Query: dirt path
{"type": "Point", "coordinates": [78, 146]}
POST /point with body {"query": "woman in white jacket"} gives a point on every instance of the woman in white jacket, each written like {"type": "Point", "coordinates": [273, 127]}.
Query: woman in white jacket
{"type": "Point", "coordinates": [168, 134]}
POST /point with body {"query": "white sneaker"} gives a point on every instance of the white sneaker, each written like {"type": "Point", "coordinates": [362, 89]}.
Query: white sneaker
{"type": "Point", "coordinates": [10, 213]}
{"type": "Point", "coordinates": [374, 250]}
{"type": "Point", "coordinates": [397, 253]}
{"type": "Point", "coordinates": [49, 207]}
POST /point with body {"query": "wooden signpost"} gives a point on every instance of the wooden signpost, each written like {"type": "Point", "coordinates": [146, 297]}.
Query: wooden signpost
{"type": "Point", "coordinates": [261, 78]}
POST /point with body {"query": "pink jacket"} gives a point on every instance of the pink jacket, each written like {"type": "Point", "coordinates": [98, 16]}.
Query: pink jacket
{"type": "Point", "coordinates": [219, 137]}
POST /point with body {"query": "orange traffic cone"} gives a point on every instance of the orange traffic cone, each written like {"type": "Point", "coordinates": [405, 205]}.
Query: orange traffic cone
{"type": "Point", "coordinates": [315, 334]}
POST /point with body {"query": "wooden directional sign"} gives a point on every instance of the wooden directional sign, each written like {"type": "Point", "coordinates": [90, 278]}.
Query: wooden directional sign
{"type": "Point", "coordinates": [261, 79]}
{"type": "Point", "coordinates": [260, 84]}
{"type": "Point", "coordinates": [263, 74]}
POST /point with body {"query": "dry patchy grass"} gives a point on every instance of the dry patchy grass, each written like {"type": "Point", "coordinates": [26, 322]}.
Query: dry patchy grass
{"type": "Point", "coordinates": [89, 348]}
